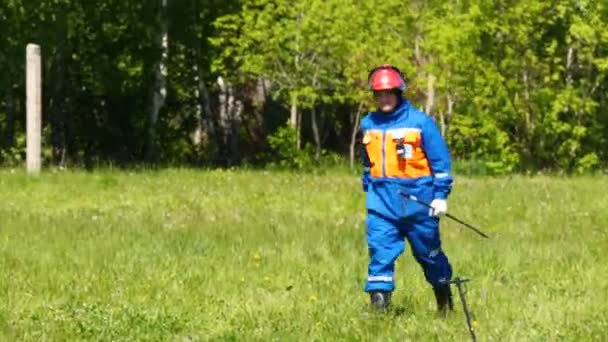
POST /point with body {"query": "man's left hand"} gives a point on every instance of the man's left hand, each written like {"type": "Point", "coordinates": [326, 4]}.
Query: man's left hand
{"type": "Point", "coordinates": [439, 207]}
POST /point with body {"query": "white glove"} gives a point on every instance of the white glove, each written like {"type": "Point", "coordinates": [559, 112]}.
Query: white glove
{"type": "Point", "coordinates": [439, 207]}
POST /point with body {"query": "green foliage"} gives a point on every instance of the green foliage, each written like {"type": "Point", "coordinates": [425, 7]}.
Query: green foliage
{"type": "Point", "coordinates": [285, 155]}
{"type": "Point", "coordinates": [482, 143]}
{"type": "Point", "coordinates": [588, 162]}
{"type": "Point", "coordinates": [14, 155]}
{"type": "Point", "coordinates": [285, 151]}
{"type": "Point", "coordinates": [521, 86]}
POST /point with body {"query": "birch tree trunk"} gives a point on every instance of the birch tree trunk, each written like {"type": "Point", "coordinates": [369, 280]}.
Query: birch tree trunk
{"type": "Point", "coordinates": [236, 117]}
{"type": "Point", "coordinates": [315, 132]}
{"type": "Point", "coordinates": [353, 137]}
{"type": "Point", "coordinates": [57, 108]}
{"type": "Point", "coordinates": [430, 94]}
{"type": "Point", "coordinates": [445, 126]}
{"type": "Point", "coordinates": [209, 127]}
{"type": "Point", "coordinates": [298, 129]}
{"type": "Point", "coordinates": [294, 119]}
{"type": "Point", "coordinates": [262, 92]}
{"type": "Point", "coordinates": [9, 129]}
{"type": "Point", "coordinates": [230, 118]}
{"type": "Point", "coordinates": [199, 132]}
{"type": "Point", "coordinates": [223, 119]}
{"type": "Point", "coordinates": [160, 86]}
{"type": "Point", "coordinates": [295, 115]}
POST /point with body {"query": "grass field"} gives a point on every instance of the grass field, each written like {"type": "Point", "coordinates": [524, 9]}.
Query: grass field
{"type": "Point", "coordinates": [183, 255]}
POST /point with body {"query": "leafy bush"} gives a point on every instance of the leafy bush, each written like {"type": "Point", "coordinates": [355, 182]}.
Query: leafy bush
{"type": "Point", "coordinates": [285, 152]}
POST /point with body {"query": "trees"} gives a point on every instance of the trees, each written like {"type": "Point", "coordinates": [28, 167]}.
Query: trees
{"type": "Point", "coordinates": [544, 65]}
{"type": "Point", "coordinates": [291, 43]}
{"type": "Point", "coordinates": [205, 81]}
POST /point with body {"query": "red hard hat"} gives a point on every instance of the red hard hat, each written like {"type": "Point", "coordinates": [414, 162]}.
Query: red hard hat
{"type": "Point", "coordinates": [386, 77]}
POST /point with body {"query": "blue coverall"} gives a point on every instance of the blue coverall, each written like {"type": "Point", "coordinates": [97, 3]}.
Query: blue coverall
{"type": "Point", "coordinates": [403, 152]}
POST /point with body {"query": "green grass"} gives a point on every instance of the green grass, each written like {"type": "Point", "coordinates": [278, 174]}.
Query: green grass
{"type": "Point", "coordinates": [185, 255]}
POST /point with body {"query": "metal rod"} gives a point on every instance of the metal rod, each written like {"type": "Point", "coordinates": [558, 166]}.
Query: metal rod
{"type": "Point", "coordinates": [476, 230]}
{"type": "Point", "coordinates": [459, 283]}
{"type": "Point", "coordinates": [467, 225]}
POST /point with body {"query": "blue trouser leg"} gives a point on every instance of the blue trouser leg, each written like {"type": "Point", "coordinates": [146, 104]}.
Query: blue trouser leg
{"type": "Point", "coordinates": [424, 238]}
{"type": "Point", "coordinates": [385, 244]}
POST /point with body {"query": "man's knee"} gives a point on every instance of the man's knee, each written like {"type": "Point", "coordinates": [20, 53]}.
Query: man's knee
{"type": "Point", "coordinates": [436, 267]}
{"type": "Point", "coordinates": [383, 238]}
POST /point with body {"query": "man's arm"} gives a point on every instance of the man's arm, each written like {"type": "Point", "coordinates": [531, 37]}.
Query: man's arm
{"type": "Point", "coordinates": [438, 155]}
{"type": "Point", "coordinates": [366, 176]}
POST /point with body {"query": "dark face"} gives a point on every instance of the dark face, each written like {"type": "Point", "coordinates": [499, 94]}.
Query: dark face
{"type": "Point", "coordinates": [386, 100]}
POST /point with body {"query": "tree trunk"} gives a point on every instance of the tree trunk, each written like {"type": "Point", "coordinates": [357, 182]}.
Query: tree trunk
{"type": "Point", "coordinates": [353, 137]}
{"type": "Point", "coordinates": [262, 94]}
{"type": "Point", "coordinates": [569, 62]}
{"type": "Point", "coordinates": [417, 52]}
{"type": "Point", "coordinates": [421, 61]}
{"type": "Point", "coordinates": [315, 132]}
{"type": "Point", "coordinates": [199, 130]}
{"type": "Point", "coordinates": [204, 99]}
{"type": "Point", "coordinates": [430, 95]}
{"type": "Point", "coordinates": [205, 127]}
{"type": "Point", "coordinates": [445, 122]}
{"type": "Point", "coordinates": [57, 101]}
{"type": "Point", "coordinates": [9, 129]}
{"type": "Point", "coordinates": [199, 134]}
{"type": "Point", "coordinates": [70, 130]}
{"type": "Point", "coordinates": [529, 116]}
{"type": "Point", "coordinates": [160, 86]}
{"type": "Point", "coordinates": [57, 109]}
{"type": "Point", "coordinates": [441, 123]}
{"type": "Point", "coordinates": [294, 119]}
{"type": "Point", "coordinates": [223, 120]}
{"type": "Point", "coordinates": [298, 130]}
{"type": "Point", "coordinates": [323, 125]}
{"type": "Point", "coordinates": [235, 112]}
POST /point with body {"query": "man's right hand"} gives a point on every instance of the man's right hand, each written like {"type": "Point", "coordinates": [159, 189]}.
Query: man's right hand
{"type": "Point", "coordinates": [439, 207]}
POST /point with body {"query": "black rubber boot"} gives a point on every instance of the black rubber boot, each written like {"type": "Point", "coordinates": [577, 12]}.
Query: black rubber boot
{"type": "Point", "coordinates": [380, 300]}
{"type": "Point", "coordinates": [443, 294]}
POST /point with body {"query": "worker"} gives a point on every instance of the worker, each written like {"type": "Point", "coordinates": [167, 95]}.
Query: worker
{"type": "Point", "coordinates": [403, 153]}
